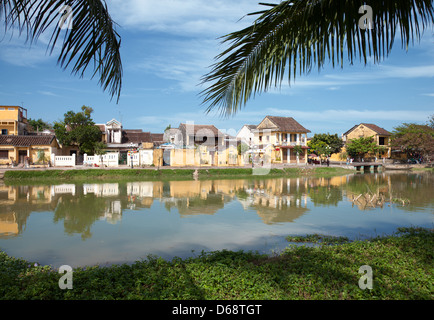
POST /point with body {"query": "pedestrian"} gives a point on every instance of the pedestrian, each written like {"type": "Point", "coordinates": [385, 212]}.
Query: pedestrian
{"type": "Point", "coordinates": [328, 161]}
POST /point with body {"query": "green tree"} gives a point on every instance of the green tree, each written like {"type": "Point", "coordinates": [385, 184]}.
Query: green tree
{"type": "Point", "coordinates": [90, 38]}
{"type": "Point", "coordinates": [38, 125]}
{"type": "Point", "coordinates": [78, 129]}
{"type": "Point", "coordinates": [242, 148]}
{"type": "Point", "coordinates": [363, 146]}
{"type": "Point", "coordinates": [414, 139]}
{"type": "Point", "coordinates": [296, 36]}
{"type": "Point", "coordinates": [325, 143]}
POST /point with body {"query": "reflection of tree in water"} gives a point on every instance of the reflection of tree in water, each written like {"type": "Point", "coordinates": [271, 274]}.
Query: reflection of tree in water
{"type": "Point", "coordinates": [409, 190]}
{"type": "Point", "coordinates": [325, 195]}
{"type": "Point", "coordinates": [80, 213]}
{"type": "Point", "coordinates": [197, 205]}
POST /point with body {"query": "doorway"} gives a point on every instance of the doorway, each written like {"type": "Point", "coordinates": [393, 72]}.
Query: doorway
{"type": "Point", "coordinates": [22, 154]}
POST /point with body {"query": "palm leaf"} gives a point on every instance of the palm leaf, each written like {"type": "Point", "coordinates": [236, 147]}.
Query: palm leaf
{"type": "Point", "coordinates": [292, 37]}
{"type": "Point", "coordinates": [92, 38]}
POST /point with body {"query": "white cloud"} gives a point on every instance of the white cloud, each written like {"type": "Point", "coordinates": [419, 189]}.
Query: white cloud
{"type": "Point", "coordinates": [212, 17]}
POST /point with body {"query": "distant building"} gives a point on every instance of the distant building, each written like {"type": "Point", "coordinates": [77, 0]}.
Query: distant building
{"type": "Point", "coordinates": [276, 138]}
{"type": "Point", "coordinates": [380, 135]}
{"type": "Point", "coordinates": [246, 134]}
{"type": "Point", "coordinates": [27, 149]}
{"type": "Point", "coordinates": [13, 120]}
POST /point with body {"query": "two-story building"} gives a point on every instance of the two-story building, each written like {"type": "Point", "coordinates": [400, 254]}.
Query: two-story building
{"type": "Point", "coordinates": [277, 138]}
{"type": "Point", "coordinates": [17, 144]}
{"type": "Point", "coordinates": [13, 120]}
{"type": "Point", "coordinates": [380, 135]}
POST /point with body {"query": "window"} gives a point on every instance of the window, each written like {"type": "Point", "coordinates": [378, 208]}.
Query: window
{"type": "Point", "coordinates": [381, 141]}
{"type": "Point", "coordinates": [4, 132]}
{"type": "Point", "coordinates": [260, 138]}
{"type": "Point", "coordinates": [4, 154]}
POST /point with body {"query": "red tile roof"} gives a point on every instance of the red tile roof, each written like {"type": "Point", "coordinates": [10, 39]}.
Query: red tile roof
{"type": "Point", "coordinates": [287, 124]}
{"type": "Point", "coordinates": [26, 141]}
{"type": "Point", "coordinates": [371, 126]}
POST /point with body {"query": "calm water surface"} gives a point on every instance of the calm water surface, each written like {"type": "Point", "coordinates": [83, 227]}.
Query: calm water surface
{"type": "Point", "coordinates": [104, 223]}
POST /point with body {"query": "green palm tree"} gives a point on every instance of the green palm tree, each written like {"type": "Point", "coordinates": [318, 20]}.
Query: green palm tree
{"type": "Point", "coordinates": [297, 35]}
{"type": "Point", "coordinates": [89, 38]}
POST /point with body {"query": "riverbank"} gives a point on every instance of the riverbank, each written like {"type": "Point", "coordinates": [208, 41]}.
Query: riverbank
{"type": "Point", "coordinates": [169, 173]}
{"type": "Point", "coordinates": [402, 268]}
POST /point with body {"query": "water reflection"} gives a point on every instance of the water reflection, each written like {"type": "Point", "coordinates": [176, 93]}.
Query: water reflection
{"type": "Point", "coordinates": [275, 201]}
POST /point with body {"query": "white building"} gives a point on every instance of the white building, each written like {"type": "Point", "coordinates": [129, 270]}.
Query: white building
{"type": "Point", "coordinates": [246, 134]}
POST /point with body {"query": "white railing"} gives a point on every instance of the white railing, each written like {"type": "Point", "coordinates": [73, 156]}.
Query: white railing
{"type": "Point", "coordinates": [107, 160]}
{"type": "Point", "coordinates": [63, 161]}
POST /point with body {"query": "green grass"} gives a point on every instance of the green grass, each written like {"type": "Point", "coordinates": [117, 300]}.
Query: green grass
{"type": "Point", "coordinates": [402, 266]}
{"type": "Point", "coordinates": [91, 174]}
{"type": "Point", "coordinates": [155, 174]}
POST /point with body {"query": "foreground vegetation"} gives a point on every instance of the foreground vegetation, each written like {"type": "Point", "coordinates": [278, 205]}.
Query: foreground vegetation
{"type": "Point", "coordinates": [155, 174]}
{"type": "Point", "coordinates": [402, 268]}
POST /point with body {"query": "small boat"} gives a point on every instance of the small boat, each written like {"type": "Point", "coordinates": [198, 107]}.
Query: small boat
{"type": "Point", "coordinates": [397, 167]}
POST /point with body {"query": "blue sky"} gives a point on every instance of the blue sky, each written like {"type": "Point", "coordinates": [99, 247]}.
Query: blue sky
{"type": "Point", "coordinates": [168, 45]}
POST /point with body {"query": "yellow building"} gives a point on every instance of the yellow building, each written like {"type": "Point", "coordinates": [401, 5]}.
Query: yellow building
{"type": "Point", "coordinates": [276, 137]}
{"type": "Point", "coordinates": [13, 120]}
{"type": "Point", "coordinates": [365, 130]}
{"type": "Point", "coordinates": [27, 149]}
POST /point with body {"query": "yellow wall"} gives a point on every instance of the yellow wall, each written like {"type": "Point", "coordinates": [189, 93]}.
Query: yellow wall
{"type": "Point", "coordinates": [365, 132]}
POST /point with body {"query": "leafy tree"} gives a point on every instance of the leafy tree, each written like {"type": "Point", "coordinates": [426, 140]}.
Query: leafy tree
{"type": "Point", "coordinates": [38, 125]}
{"type": "Point", "coordinates": [414, 139]}
{"type": "Point", "coordinates": [325, 143]}
{"type": "Point", "coordinates": [90, 39]}
{"type": "Point", "coordinates": [242, 148]}
{"type": "Point", "coordinates": [363, 146]}
{"type": "Point", "coordinates": [78, 129]}
{"type": "Point", "coordinates": [296, 36]}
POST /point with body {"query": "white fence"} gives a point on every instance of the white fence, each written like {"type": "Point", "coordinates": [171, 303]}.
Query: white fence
{"type": "Point", "coordinates": [141, 158]}
{"type": "Point", "coordinates": [63, 161]}
{"type": "Point", "coordinates": [107, 160]}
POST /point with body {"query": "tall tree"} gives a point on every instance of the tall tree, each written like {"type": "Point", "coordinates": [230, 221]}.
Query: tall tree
{"type": "Point", "coordinates": [89, 35]}
{"type": "Point", "coordinates": [415, 140]}
{"type": "Point", "coordinates": [78, 129]}
{"type": "Point", "coordinates": [38, 125]}
{"type": "Point", "coordinates": [295, 36]}
{"type": "Point", "coordinates": [363, 146]}
{"type": "Point", "coordinates": [325, 143]}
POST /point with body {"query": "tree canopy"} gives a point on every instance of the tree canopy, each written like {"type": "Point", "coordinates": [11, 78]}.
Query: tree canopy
{"type": "Point", "coordinates": [362, 147]}
{"type": "Point", "coordinates": [296, 36]}
{"type": "Point", "coordinates": [414, 139]}
{"type": "Point", "coordinates": [325, 144]}
{"type": "Point", "coordinates": [38, 125]}
{"type": "Point", "coordinates": [89, 35]}
{"type": "Point", "coordinates": [78, 129]}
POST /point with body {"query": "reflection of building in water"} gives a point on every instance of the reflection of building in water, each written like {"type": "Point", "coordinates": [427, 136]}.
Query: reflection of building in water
{"type": "Point", "coordinates": [102, 189]}
{"type": "Point", "coordinates": [113, 212]}
{"type": "Point", "coordinates": [16, 204]}
{"type": "Point", "coordinates": [8, 225]}
{"type": "Point", "coordinates": [62, 189]}
{"type": "Point", "coordinates": [278, 200]}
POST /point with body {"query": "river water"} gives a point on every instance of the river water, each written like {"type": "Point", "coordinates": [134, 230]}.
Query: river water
{"type": "Point", "coordinates": [82, 224]}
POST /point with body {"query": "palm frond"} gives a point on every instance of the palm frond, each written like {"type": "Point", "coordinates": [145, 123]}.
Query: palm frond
{"type": "Point", "coordinates": [294, 36]}
{"type": "Point", "coordinates": [91, 37]}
